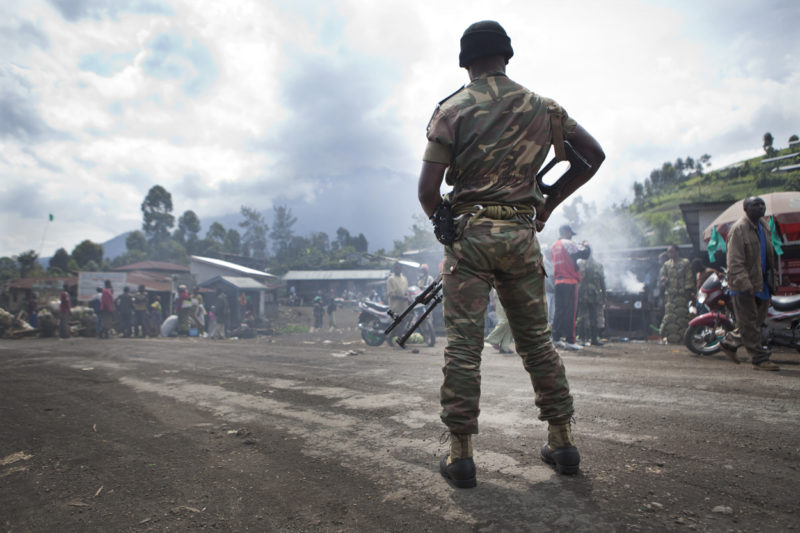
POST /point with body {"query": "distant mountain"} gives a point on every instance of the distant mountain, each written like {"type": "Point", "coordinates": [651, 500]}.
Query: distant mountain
{"type": "Point", "coordinates": [115, 246]}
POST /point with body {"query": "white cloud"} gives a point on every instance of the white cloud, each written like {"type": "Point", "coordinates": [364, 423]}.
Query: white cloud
{"type": "Point", "coordinates": [252, 102]}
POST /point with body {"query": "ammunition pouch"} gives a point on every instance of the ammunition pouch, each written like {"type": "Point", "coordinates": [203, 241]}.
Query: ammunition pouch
{"type": "Point", "coordinates": [444, 227]}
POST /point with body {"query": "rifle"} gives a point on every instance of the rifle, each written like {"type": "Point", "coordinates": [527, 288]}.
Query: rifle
{"type": "Point", "coordinates": [432, 293]}
{"type": "Point", "coordinates": [577, 165]}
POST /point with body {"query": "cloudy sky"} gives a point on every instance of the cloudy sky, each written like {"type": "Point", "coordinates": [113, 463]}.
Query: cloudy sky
{"type": "Point", "coordinates": [322, 105]}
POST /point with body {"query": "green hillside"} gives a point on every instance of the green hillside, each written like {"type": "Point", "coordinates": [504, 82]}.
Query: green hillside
{"type": "Point", "coordinates": [657, 199]}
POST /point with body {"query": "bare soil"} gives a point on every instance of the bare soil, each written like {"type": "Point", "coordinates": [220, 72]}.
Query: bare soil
{"type": "Point", "coordinates": [319, 432]}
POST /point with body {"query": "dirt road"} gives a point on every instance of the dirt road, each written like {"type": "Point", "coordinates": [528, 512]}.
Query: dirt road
{"type": "Point", "coordinates": [297, 433]}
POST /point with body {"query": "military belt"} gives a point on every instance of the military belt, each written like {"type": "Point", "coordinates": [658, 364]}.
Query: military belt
{"type": "Point", "coordinates": [496, 211]}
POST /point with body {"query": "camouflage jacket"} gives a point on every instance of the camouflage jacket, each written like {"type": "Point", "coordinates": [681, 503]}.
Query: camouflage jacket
{"type": "Point", "coordinates": [592, 288]}
{"type": "Point", "coordinates": [677, 278]}
{"type": "Point", "coordinates": [494, 135]}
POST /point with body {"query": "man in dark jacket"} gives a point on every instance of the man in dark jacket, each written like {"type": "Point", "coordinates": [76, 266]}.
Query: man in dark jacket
{"type": "Point", "coordinates": [125, 308]}
{"type": "Point", "coordinates": [752, 272]}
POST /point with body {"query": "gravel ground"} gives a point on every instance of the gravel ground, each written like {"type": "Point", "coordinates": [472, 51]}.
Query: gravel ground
{"type": "Point", "coordinates": [319, 432]}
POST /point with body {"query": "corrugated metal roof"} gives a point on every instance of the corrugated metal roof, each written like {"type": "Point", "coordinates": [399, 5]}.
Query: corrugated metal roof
{"type": "Point", "coordinates": [786, 169]}
{"type": "Point", "coordinates": [232, 266]}
{"type": "Point", "coordinates": [324, 275]}
{"type": "Point", "coordinates": [240, 282]}
{"type": "Point", "coordinates": [152, 265]}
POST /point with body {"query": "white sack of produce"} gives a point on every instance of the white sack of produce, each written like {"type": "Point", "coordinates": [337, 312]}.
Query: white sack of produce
{"type": "Point", "coordinates": [169, 326]}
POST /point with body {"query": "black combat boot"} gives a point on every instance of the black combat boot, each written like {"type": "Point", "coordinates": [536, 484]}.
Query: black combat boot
{"type": "Point", "coordinates": [458, 467]}
{"type": "Point", "coordinates": [560, 450]}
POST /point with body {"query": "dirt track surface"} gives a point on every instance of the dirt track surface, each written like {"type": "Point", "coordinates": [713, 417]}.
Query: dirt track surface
{"type": "Point", "coordinates": [294, 434]}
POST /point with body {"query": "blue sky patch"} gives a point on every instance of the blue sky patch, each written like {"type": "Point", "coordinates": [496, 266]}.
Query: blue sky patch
{"type": "Point", "coordinates": [106, 63]}
{"type": "Point", "coordinates": [174, 57]}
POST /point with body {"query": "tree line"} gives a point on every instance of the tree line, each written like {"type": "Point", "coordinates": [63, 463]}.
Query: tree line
{"type": "Point", "coordinates": [276, 248]}
{"type": "Point", "coordinates": [673, 174]}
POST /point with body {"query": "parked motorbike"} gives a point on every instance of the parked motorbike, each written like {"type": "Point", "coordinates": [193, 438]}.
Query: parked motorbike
{"type": "Point", "coordinates": [374, 319]}
{"type": "Point", "coordinates": [714, 316]}
{"type": "Point", "coordinates": [782, 326]}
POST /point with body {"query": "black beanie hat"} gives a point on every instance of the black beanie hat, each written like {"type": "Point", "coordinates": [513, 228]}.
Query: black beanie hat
{"type": "Point", "coordinates": [483, 39]}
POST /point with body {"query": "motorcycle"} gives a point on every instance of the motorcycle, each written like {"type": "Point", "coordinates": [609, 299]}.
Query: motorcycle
{"type": "Point", "coordinates": [714, 316]}
{"type": "Point", "coordinates": [782, 326]}
{"type": "Point", "coordinates": [374, 318]}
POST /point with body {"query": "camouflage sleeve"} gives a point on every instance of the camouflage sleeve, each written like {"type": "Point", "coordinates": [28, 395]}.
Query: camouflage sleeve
{"type": "Point", "coordinates": [567, 121]}
{"type": "Point", "coordinates": [441, 138]}
{"type": "Point", "coordinates": [437, 153]}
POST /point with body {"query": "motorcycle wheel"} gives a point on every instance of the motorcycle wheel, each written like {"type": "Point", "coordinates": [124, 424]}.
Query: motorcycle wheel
{"type": "Point", "coordinates": [372, 335]}
{"type": "Point", "coordinates": [704, 340]}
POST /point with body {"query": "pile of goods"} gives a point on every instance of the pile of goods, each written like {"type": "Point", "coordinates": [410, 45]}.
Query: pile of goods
{"type": "Point", "coordinates": [12, 327]}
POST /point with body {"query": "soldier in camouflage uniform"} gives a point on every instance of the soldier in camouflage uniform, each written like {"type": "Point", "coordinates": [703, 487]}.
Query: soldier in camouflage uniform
{"type": "Point", "coordinates": [491, 137]}
{"type": "Point", "coordinates": [679, 288]}
{"type": "Point", "coordinates": [591, 300]}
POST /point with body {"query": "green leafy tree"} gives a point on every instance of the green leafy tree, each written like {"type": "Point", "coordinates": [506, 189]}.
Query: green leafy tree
{"type": "Point", "coordinates": [233, 242]}
{"type": "Point", "coordinates": [60, 261]}
{"type": "Point", "coordinates": [421, 237]}
{"type": "Point", "coordinates": [216, 233]}
{"type": "Point", "coordinates": [282, 233]}
{"type": "Point", "coordinates": [254, 240]}
{"type": "Point", "coordinates": [128, 258]}
{"type": "Point", "coordinates": [8, 269]}
{"type": "Point", "coordinates": [88, 251]}
{"type": "Point", "coordinates": [188, 228]}
{"type": "Point", "coordinates": [360, 243]}
{"type": "Point", "coordinates": [135, 241]}
{"type": "Point", "coordinates": [703, 161]}
{"type": "Point", "coordinates": [638, 194]}
{"type": "Point", "coordinates": [768, 140]}
{"type": "Point", "coordinates": [320, 241]}
{"type": "Point", "coordinates": [342, 238]}
{"type": "Point", "coordinates": [157, 214]}
{"type": "Point", "coordinates": [26, 262]}
{"type": "Point", "coordinates": [170, 251]}
{"type": "Point", "coordinates": [208, 248]}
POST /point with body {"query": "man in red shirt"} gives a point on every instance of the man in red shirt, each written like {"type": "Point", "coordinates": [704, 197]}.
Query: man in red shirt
{"type": "Point", "coordinates": [567, 276]}
{"type": "Point", "coordinates": [64, 313]}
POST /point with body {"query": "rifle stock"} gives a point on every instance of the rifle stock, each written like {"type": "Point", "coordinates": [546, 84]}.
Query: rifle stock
{"type": "Point", "coordinates": [577, 165]}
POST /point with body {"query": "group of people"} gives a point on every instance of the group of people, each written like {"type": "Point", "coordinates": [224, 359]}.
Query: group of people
{"type": "Point", "coordinates": [321, 305]}
{"type": "Point", "coordinates": [576, 297]}
{"type": "Point", "coordinates": [136, 314]}
{"type": "Point", "coordinates": [215, 322]}
{"type": "Point", "coordinates": [752, 266]}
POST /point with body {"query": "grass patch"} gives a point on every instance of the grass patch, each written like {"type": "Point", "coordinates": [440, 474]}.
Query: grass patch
{"type": "Point", "coordinates": [292, 328]}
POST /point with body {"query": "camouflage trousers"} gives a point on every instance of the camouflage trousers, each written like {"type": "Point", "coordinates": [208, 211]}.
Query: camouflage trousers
{"type": "Point", "coordinates": [504, 254]}
{"type": "Point", "coordinates": [676, 319]}
{"type": "Point", "coordinates": [590, 320]}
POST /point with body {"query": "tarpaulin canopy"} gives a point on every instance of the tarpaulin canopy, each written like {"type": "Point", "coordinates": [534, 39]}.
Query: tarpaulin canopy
{"type": "Point", "coordinates": [784, 207]}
